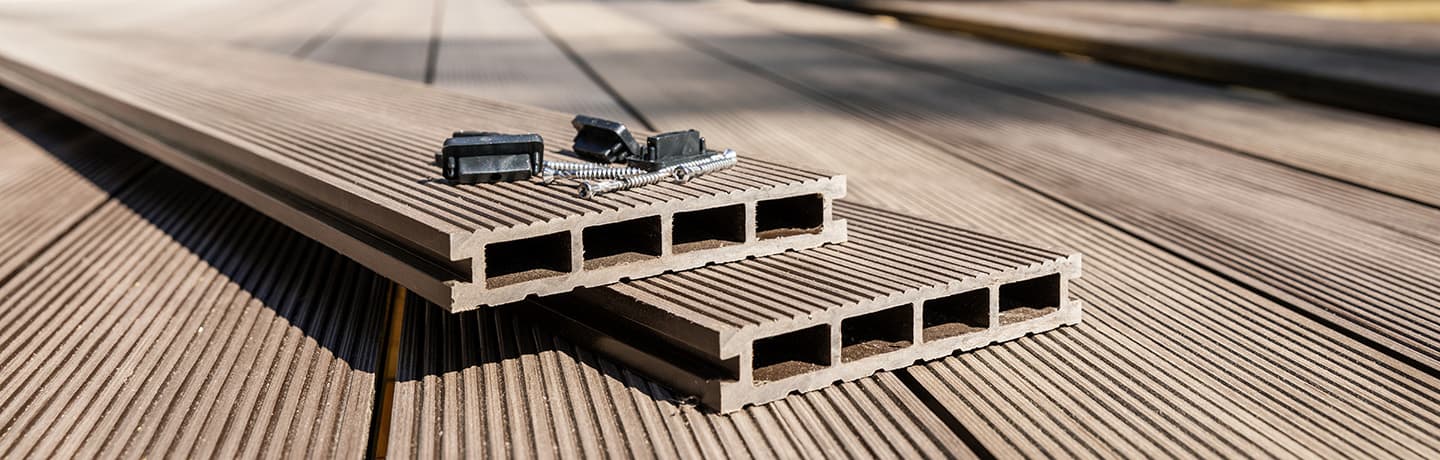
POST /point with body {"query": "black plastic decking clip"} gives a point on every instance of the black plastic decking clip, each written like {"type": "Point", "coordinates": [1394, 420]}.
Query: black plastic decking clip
{"type": "Point", "coordinates": [474, 157]}
{"type": "Point", "coordinates": [669, 149]}
{"type": "Point", "coordinates": [603, 141]}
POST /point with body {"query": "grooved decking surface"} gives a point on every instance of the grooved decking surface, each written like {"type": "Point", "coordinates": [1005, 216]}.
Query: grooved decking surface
{"type": "Point", "coordinates": [1244, 217]}
{"type": "Point", "coordinates": [1403, 87]}
{"type": "Point", "coordinates": [896, 270]}
{"type": "Point", "coordinates": [1213, 337]}
{"type": "Point", "coordinates": [488, 383]}
{"type": "Point", "coordinates": [179, 323]}
{"type": "Point", "coordinates": [349, 147]}
{"type": "Point", "coordinates": [53, 172]}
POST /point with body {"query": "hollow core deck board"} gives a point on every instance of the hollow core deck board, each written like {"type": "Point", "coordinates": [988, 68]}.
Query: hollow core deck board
{"type": "Point", "coordinates": [1225, 361]}
{"type": "Point", "coordinates": [1197, 388]}
{"type": "Point", "coordinates": [345, 159]}
{"type": "Point", "coordinates": [180, 323]}
{"type": "Point", "coordinates": [1336, 251]}
{"type": "Point", "coordinates": [1393, 87]}
{"type": "Point", "coordinates": [1379, 153]}
{"type": "Point", "coordinates": [492, 383]}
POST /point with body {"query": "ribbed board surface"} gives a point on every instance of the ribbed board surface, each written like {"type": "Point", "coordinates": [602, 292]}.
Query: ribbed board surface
{"type": "Point", "coordinates": [1175, 360]}
{"type": "Point", "coordinates": [1170, 358]}
{"type": "Point", "coordinates": [372, 138]}
{"type": "Point", "coordinates": [1379, 153]}
{"type": "Point", "coordinates": [53, 173]}
{"type": "Point", "coordinates": [178, 323]}
{"type": "Point", "coordinates": [1407, 40]}
{"type": "Point", "coordinates": [878, 263]}
{"type": "Point", "coordinates": [1361, 259]}
{"type": "Point", "coordinates": [1366, 81]}
{"type": "Point", "coordinates": [385, 37]}
{"type": "Point", "coordinates": [491, 49]}
{"type": "Point", "coordinates": [293, 28]}
{"type": "Point", "coordinates": [486, 384]}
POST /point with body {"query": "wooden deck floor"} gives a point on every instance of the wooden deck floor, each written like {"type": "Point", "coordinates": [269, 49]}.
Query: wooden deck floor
{"type": "Point", "coordinates": [1263, 274]}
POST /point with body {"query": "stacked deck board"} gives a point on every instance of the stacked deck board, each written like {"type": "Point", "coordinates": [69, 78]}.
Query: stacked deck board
{"type": "Point", "coordinates": [901, 291]}
{"type": "Point", "coordinates": [345, 158]}
{"type": "Point", "coordinates": [1187, 354]}
{"type": "Point", "coordinates": [339, 155]}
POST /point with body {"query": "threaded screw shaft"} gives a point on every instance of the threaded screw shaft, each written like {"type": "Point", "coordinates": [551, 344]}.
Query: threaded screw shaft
{"type": "Point", "coordinates": [721, 160]}
{"type": "Point", "coordinates": [687, 172]}
{"type": "Point", "coordinates": [593, 189]}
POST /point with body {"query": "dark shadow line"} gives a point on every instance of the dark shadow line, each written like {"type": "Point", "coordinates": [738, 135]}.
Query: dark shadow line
{"type": "Point", "coordinates": [85, 217]}
{"type": "Point", "coordinates": [329, 31]}
{"type": "Point", "coordinates": [432, 49]}
{"type": "Point", "coordinates": [956, 426]}
{"type": "Point", "coordinates": [32, 110]}
{"type": "Point", "coordinates": [387, 367]}
{"type": "Point", "coordinates": [584, 66]}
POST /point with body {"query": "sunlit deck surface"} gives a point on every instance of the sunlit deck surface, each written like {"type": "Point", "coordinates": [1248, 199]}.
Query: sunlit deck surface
{"type": "Point", "coordinates": [1262, 266]}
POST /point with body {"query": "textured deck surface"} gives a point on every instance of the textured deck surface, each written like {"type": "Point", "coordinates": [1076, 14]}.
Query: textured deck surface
{"type": "Point", "coordinates": [343, 146]}
{"type": "Point", "coordinates": [485, 382]}
{"type": "Point", "coordinates": [1315, 69]}
{"type": "Point", "coordinates": [900, 291]}
{"type": "Point", "coordinates": [1259, 271]}
{"type": "Point", "coordinates": [179, 323]}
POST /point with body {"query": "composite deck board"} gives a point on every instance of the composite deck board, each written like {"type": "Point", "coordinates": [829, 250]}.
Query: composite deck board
{"type": "Point", "coordinates": [1336, 251]}
{"type": "Point", "coordinates": [1375, 152]}
{"type": "Point", "coordinates": [1171, 357]}
{"type": "Point", "coordinates": [438, 389]}
{"type": "Point", "coordinates": [298, 28]}
{"type": "Point", "coordinates": [1404, 88]}
{"type": "Point", "coordinates": [1405, 40]}
{"type": "Point", "coordinates": [491, 49]}
{"type": "Point", "coordinates": [179, 323]}
{"type": "Point", "coordinates": [490, 383]}
{"type": "Point", "coordinates": [388, 37]}
{"type": "Point", "coordinates": [345, 157]}
{"type": "Point", "coordinates": [54, 173]}
{"type": "Point", "coordinates": [1176, 360]}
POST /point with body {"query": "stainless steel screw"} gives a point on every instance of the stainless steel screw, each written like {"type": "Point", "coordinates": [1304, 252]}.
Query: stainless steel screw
{"type": "Point", "coordinates": [687, 172]}
{"type": "Point", "coordinates": [547, 176]}
{"type": "Point", "coordinates": [554, 170]}
{"type": "Point", "coordinates": [602, 173]}
{"type": "Point", "coordinates": [574, 166]}
{"type": "Point", "coordinates": [593, 189]}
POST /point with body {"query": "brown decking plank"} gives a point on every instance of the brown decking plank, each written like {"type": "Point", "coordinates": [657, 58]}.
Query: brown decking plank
{"type": "Point", "coordinates": [174, 309]}
{"type": "Point", "coordinates": [1345, 254]}
{"type": "Point", "coordinates": [1228, 355]}
{"type": "Point", "coordinates": [1393, 87]}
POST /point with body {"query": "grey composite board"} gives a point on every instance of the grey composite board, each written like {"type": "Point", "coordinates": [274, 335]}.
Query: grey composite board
{"type": "Point", "coordinates": [1400, 88]}
{"type": "Point", "coordinates": [902, 291]}
{"type": "Point", "coordinates": [179, 323]}
{"type": "Point", "coordinates": [1172, 357]}
{"type": "Point", "coordinates": [344, 157]}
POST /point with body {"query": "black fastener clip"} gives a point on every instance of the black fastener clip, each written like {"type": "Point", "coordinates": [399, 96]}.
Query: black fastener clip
{"type": "Point", "coordinates": [474, 157]}
{"type": "Point", "coordinates": [669, 149]}
{"type": "Point", "coordinates": [603, 141]}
